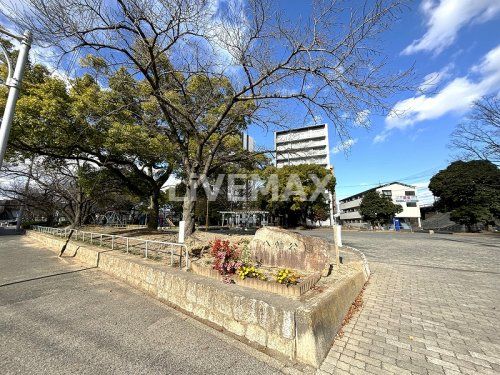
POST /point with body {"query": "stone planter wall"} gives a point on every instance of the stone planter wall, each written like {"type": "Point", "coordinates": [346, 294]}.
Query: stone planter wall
{"type": "Point", "coordinates": [301, 330]}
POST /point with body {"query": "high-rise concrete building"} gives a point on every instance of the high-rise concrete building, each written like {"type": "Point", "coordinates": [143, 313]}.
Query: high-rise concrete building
{"type": "Point", "coordinates": [307, 145]}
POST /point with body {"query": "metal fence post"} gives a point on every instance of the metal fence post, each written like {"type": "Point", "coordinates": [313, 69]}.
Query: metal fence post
{"type": "Point", "coordinates": [172, 247]}
{"type": "Point", "coordinates": [187, 257]}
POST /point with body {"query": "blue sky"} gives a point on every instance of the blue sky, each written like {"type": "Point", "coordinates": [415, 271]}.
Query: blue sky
{"type": "Point", "coordinates": [454, 46]}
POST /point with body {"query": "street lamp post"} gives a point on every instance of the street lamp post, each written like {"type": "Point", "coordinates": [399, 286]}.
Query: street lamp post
{"type": "Point", "coordinates": [13, 81]}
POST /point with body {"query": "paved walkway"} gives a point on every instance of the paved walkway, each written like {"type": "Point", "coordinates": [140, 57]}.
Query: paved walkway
{"type": "Point", "coordinates": [432, 307]}
{"type": "Point", "coordinates": [57, 317]}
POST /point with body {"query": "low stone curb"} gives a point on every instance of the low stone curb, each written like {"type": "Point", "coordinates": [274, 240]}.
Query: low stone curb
{"type": "Point", "coordinates": [366, 266]}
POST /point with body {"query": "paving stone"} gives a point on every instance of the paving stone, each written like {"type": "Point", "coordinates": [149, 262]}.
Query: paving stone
{"type": "Point", "coordinates": [343, 366]}
{"type": "Point", "coordinates": [412, 367]}
{"type": "Point", "coordinates": [486, 358]}
{"type": "Point", "coordinates": [375, 370]}
{"type": "Point", "coordinates": [395, 369]}
{"type": "Point", "coordinates": [442, 363]}
{"type": "Point", "coordinates": [431, 306]}
{"type": "Point", "coordinates": [369, 360]}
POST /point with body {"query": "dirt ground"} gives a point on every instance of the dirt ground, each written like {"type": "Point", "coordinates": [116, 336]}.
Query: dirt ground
{"type": "Point", "coordinates": [197, 240]}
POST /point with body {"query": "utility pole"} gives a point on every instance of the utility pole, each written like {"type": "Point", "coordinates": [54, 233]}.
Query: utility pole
{"type": "Point", "coordinates": [13, 81]}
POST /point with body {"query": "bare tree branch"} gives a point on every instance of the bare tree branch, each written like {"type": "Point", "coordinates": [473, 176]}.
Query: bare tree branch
{"type": "Point", "coordinates": [479, 136]}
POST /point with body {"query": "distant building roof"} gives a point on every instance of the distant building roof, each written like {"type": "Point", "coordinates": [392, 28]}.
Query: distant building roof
{"type": "Point", "coordinates": [377, 187]}
{"type": "Point", "coordinates": [303, 128]}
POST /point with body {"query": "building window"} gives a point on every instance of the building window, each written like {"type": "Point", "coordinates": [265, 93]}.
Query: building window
{"type": "Point", "coordinates": [409, 193]}
{"type": "Point", "coordinates": [387, 193]}
{"type": "Point", "coordinates": [411, 204]}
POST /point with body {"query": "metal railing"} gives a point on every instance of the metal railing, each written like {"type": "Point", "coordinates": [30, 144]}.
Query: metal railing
{"type": "Point", "coordinates": [131, 245]}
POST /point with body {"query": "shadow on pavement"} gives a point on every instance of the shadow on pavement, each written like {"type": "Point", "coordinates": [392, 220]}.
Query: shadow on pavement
{"type": "Point", "coordinates": [10, 231]}
{"type": "Point", "coordinates": [46, 276]}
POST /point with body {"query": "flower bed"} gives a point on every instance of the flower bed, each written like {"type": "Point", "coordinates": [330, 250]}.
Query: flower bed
{"type": "Point", "coordinates": [294, 291]}
{"type": "Point", "coordinates": [231, 263]}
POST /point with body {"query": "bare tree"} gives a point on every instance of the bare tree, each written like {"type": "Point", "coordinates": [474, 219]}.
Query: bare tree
{"type": "Point", "coordinates": [54, 189]}
{"type": "Point", "coordinates": [479, 136]}
{"type": "Point", "coordinates": [213, 70]}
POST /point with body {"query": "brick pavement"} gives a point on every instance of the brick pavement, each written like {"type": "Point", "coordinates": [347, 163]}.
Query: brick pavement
{"type": "Point", "coordinates": [422, 316]}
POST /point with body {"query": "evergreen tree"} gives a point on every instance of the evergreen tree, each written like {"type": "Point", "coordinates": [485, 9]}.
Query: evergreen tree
{"type": "Point", "coordinates": [378, 209]}
{"type": "Point", "coordinates": [470, 190]}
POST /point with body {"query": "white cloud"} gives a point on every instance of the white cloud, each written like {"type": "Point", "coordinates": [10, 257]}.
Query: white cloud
{"type": "Point", "coordinates": [432, 80]}
{"type": "Point", "coordinates": [318, 119]}
{"type": "Point", "coordinates": [227, 26]}
{"type": "Point", "coordinates": [424, 195]}
{"type": "Point", "coordinates": [65, 69]}
{"type": "Point", "coordinates": [381, 137]}
{"type": "Point", "coordinates": [49, 57]}
{"type": "Point", "coordinates": [172, 181]}
{"type": "Point", "coordinates": [455, 97]}
{"type": "Point", "coordinates": [362, 118]}
{"type": "Point", "coordinates": [445, 18]}
{"type": "Point", "coordinates": [344, 145]}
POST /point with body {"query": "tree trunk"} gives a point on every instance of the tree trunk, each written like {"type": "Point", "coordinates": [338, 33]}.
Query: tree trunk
{"type": "Point", "coordinates": [63, 248]}
{"type": "Point", "coordinates": [49, 220]}
{"type": "Point", "coordinates": [153, 210]}
{"type": "Point", "coordinates": [188, 211]}
{"type": "Point", "coordinates": [77, 221]}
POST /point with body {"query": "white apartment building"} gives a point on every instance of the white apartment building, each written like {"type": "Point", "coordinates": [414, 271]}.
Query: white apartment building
{"type": "Point", "coordinates": [307, 145]}
{"type": "Point", "coordinates": [402, 194]}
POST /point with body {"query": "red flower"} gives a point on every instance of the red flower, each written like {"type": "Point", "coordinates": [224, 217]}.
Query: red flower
{"type": "Point", "coordinates": [225, 257]}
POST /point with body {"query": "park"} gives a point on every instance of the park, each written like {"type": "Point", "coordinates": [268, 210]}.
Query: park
{"type": "Point", "coordinates": [249, 186]}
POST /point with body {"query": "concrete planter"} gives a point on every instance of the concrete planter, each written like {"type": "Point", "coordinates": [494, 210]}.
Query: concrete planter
{"type": "Point", "coordinates": [293, 291]}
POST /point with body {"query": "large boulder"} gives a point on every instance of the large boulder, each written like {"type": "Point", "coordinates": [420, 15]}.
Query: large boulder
{"type": "Point", "coordinates": [278, 247]}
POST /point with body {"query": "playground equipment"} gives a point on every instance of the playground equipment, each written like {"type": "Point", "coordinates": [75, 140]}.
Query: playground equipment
{"type": "Point", "coordinates": [113, 218]}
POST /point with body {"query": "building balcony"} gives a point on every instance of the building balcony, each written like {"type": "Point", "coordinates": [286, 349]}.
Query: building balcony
{"type": "Point", "coordinates": [350, 215]}
{"type": "Point", "coordinates": [351, 204]}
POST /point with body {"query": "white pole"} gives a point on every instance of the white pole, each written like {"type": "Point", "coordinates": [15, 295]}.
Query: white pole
{"type": "Point", "coordinates": [332, 208]}
{"type": "Point", "coordinates": [182, 228]}
{"type": "Point", "coordinates": [334, 227]}
{"type": "Point", "coordinates": [14, 85]}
